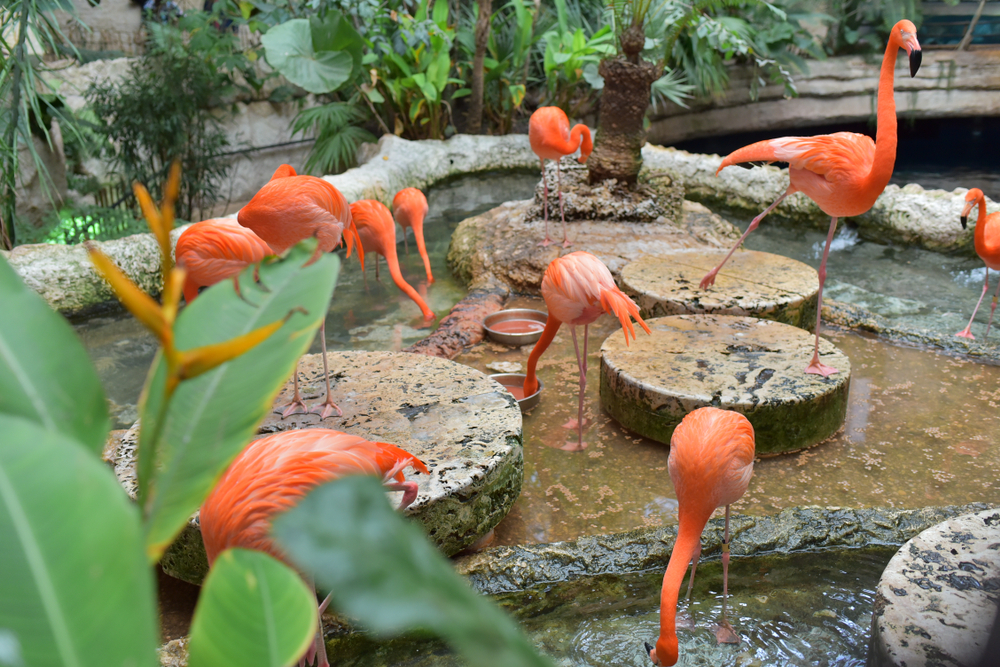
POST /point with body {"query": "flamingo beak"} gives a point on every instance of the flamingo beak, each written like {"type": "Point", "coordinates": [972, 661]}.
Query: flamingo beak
{"type": "Point", "coordinates": [965, 221]}
{"type": "Point", "coordinates": [915, 55]}
{"type": "Point", "coordinates": [649, 651]}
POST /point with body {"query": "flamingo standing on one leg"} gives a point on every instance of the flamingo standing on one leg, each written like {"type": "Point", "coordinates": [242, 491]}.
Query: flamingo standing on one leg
{"type": "Point", "coordinates": [215, 250]}
{"type": "Point", "coordinates": [552, 139]}
{"type": "Point", "coordinates": [410, 207]}
{"type": "Point", "coordinates": [577, 289]}
{"type": "Point", "coordinates": [710, 463]}
{"type": "Point", "coordinates": [987, 241]}
{"type": "Point", "coordinates": [291, 208]}
{"type": "Point", "coordinates": [844, 172]}
{"type": "Point", "coordinates": [378, 232]}
{"type": "Point", "coordinates": [274, 473]}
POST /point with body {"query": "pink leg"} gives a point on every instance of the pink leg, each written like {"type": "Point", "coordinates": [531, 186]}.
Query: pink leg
{"type": "Point", "coordinates": [709, 278]}
{"type": "Point", "coordinates": [581, 362]}
{"type": "Point", "coordinates": [993, 309]}
{"type": "Point", "coordinates": [327, 407]}
{"type": "Point", "coordinates": [725, 633]}
{"type": "Point", "coordinates": [967, 331]}
{"type": "Point", "coordinates": [815, 366]}
{"type": "Point", "coordinates": [545, 206]}
{"type": "Point", "coordinates": [566, 242]}
{"type": "Point", "coordinates": [684, 618]}
{"type": "Point", "coordinates": [409, 489]}
{"type": "Point", "coordinates": [296, 404]}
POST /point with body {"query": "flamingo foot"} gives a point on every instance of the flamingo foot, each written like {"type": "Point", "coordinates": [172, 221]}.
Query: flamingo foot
{"type": "Point", "coordinates": [709, 279]}
{"type": "Point", "coordinates": [546, 242]}
{"type": "Point", "coordinates": [326, 408]}
{"type": "Point", "coordinates": [684, 620]}
{"type": "Point", "coordinates": [724, 633]}
{"type": "Point", "coordinates": [816, 368]}
{"type": "Point", "coordinates": [574, 446]}
{"type": "Point", "coordinates": [294, 407]}
{"type": "Point", "coordinates": [966, 333]}
{"type": "Point", "coordinates": [567, 243]}
{"type": "Point", "coordinates": [574, 424]}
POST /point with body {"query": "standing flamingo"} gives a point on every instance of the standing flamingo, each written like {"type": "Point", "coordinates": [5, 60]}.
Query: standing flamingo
{"type": "Point", "coordinates": [410, 207]}
{"type": "Point", "coordinates": [274, 473]}
{"type": "Point", "coordinates": [844, 172]}
{"type": "Point", "coordinates": [214, 250]}
{"type": "Point", "coordinates": [291, 208]}
{"type": "Point", "coordinates": [551, 139]}
{"type": "Point", "coordinates": [378, 232]}
{"type": "Point", "coordinates": [987, 247]}
{"type": "Point", "coordinates": [710, 463]}
{"type": "Point", "coordinates": [577, 289]}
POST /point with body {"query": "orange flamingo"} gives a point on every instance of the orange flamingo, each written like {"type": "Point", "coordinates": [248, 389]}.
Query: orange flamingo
{"type": "Point", "coordinates": [577, 289]}
{"type": "Point", "coordinates": [378, 232]}
{"type": "Point", "coordinates": [291, 208]}
{"type": "Point", "coordinates": [987, 247]}
{"type": "Point", "coordinates": [710, 463]}
{"type": "Point", "coordinates": [272, 474]}
{"type": "Point", "coordinates": [410, 207]}
{"type": "Point", "coordinates": [844, 172]}
{"type": "Point", "coordinates": [552, 139]}
{"type": "Point", "coordinates": [215, 250]}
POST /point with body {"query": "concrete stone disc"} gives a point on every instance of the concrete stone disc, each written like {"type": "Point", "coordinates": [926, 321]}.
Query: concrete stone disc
{"type": "Point", "coordinates": [461, 424]}
{"type": "Point", "coordinates": [753, 366]}
{"type": "Point", "coordinates": [937, 598]}
{"type": "Point", "coordinates": [751, 283]}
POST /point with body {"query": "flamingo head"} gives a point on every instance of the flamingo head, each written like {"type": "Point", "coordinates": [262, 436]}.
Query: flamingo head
{"type": "Point", "coordinates": [972, 198]}
{"type": "Point", "coordinates": [667, 648]}
{"type": "Point", "coordinates": [904, 36]}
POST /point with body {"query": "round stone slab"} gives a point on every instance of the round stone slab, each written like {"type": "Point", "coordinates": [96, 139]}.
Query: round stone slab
{"type": "Point", "coordinates": [464, 426]}
{"type": "Point", "coordinates": [751, 283]}
{"type": "Point", "coordinates": [755, 367]}
{"type": "Point", "coordinates": [937, 598]}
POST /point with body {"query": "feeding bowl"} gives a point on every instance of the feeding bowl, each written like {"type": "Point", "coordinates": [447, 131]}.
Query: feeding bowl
{"type": "Point", "coordinates": [513, 382]}
{"type": "Point", "coordinates": [515, 326]}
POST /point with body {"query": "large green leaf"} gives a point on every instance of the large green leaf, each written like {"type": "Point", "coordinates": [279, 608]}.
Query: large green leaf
{"type": "Point", "coordinates": [289, 49]}
{"type": "Point", "coordinates": [45, 374]}
{"type": "Point", "coordinates": [253, 611]}
{"type": "Point", "coordinates": [75, 587]}
{"type": "Point", "coordinates": [212, 417]}
{"type": "Point", "coordinates": [335, 33]}
{"type": "Point", "coordinates": [383, 572]}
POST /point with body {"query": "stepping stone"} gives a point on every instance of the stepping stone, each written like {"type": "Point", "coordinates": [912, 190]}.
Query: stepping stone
{"type": "Point", "coordinates": [937, 598]}
{"type": "Point", "coordinates": [751, 283]}
{"type": "Point", "coordinates": [464, 426]}
{"type": "Point", "coordinates": [755, 367]}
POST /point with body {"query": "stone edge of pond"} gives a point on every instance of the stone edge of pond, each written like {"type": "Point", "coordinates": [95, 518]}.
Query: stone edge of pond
{"type": "Point", "coordinates": [910, 215]}
{"type": "Point", "coordinates": [507, 569]}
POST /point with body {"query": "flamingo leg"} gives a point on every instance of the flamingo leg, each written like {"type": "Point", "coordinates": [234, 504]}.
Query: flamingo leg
{"type": "Point", "coordinates": [566, 242]}
{"type": "Point", "coordinates": [993, 309]}
{"type": "Point", "coordinates": [256, 278]}
{"type": "Point", "coordinates": [545, 207]}
{"type": "Point", "coordinates": [967, 331]}
{"type": "Point", "coordinates": [725, 633]}
{"type": "Point", "coordinates": [296, 403]}
{"type": "Point", "coordinates": [409, 489]}
{"type": "Point", "coordinates": [709, 278]}
{"type": "Point", "coordinates": [684, 618]}
{"type": "Point", "coordinates": [327, 407]}
{"type": "Point", "coordinates": [694, 566]}
{"type": "Point", "coordinates": [581, 362]}
{"type": "Point", "coordinates": [317, 652]}
{"type": "Point", "coordinates": [815, 366]}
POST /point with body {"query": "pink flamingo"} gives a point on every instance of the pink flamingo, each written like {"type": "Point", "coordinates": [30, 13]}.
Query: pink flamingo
{"type": "Point", "coordinates": [215, 250]}
{"type": "Point", "coordinates": [410, 207]}
{"type": "Point", "coordinates": [987, 241]}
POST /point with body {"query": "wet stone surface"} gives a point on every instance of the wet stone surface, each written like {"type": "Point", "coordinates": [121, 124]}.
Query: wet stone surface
{"type": "Point", "coordinates": [745, 364]}
{"type": "Point", "coordinates": [937, 598]}
{"type": "Point", "coordinates": [465, 427]}
{"type": "Point", "coordinates": [751, 283]}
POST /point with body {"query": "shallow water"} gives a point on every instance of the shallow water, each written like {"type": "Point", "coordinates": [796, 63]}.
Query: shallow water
{"type": "Point", "coordinates": [922, 429]}
{"type": "Point", "coordinates": [803, 609]}
{"type": "Point", "coordinates": [364, 314]}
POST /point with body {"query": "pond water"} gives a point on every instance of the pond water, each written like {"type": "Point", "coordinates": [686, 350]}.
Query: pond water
{"type": "Point", "coordinates": [802, 609]}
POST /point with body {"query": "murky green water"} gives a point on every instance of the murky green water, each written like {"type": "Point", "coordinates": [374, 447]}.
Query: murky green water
{"type": "Point", "coordinates": [804, 609]}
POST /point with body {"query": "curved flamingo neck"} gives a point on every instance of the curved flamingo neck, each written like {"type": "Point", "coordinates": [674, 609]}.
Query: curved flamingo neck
{"type": "Point", "coordinates": [885, 135]}
{"type": "Point", "coordinates": [531, 380]}
{"type": "Point", "coordinates": [580, 136]}
{"type": "Point", "coordinates": [980, 235]}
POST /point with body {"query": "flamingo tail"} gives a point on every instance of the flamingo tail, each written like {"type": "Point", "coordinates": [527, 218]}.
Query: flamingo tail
{"type": "Point", "coordinates": [615, 302]}
{"type": "Point", "coordinates": [531, 380]}
{"type": "Point", "coordinates": [399, 459]}
{"type": "Point", "coordinates": [762, 151]}
{"type": "Point", "coordinates": [688, 538]}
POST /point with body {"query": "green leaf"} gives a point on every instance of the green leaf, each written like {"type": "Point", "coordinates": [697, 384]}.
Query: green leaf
{"type": "Point", "coordinates": [45, 373]}
{"type": "Point", "coordinates": [461, 92]}
{"type": "Point", "coordinates": [375, 96]}
{"type": "Point", "coordinates": [75, 587]}
{"type": "Point", "coordinates": [383, 572]}
{"type": "Point", "coordinates": [212, 417]}
{"type": "Point", "coordinates": [253, 611]}
{"type": "Point", "coordinates": [440, 14]}
{"type": "Point", "coordinates": [335, 33]}
{"type": "Point", "coordinates": [289, 49]}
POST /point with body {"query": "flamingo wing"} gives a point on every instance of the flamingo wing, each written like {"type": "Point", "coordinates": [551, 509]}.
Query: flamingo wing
{"type": "Point", "coordinates": [292, 208]}
{"type": "Point", "coordinates": [838, 157]}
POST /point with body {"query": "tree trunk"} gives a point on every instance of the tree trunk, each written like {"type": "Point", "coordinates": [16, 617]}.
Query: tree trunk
{"type": "Point", "coordinates": [620, 132]}
{"type": "Point", "coordinates": [475, 117]}
{"type": "Point", "coordinates": [10, 168]}
{"type": "Point", "coordinates": [967, 39]}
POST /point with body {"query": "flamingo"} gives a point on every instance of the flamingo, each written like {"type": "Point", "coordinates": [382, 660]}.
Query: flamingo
{"type": "Point", "coordinates": [291, 208]}
{"type": "Point", "coordinates": [987, 247]}
{"type": "Point", "coordinates": [552, 139]}
{"type": "Point", "coordinates": [215, 250]}
{"type": "Point", "coordinates": [710, 464]}
{"type": "Point", "coordinates": [843, 172]}
{"type": "Point", "coordinates": [272, 474]}
{"type": "Point", "coordinates": [378, 232]}
{"type": "Point", "coordinates": [577, 289]}
{"type": "Point", "coordinates": [410, 206]}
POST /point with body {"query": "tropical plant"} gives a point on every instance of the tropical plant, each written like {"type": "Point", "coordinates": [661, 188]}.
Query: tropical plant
{"type": "Point", "coordinates": [571, 59]}
{"type": "Point", "coordinates": [864, 26]}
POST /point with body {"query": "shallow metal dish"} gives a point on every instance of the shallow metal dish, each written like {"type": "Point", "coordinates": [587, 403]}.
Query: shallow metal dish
{"type": "Point", "coordinates": [517, 380]}
{"type": "Point", "coordinates": [515, 339]}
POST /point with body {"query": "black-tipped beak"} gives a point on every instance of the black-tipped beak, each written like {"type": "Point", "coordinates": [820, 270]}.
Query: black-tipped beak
{"type": "Point", "coordinates": [915, 56]}
{"type": "Point", "coordinates": [965, 221]}
{"type": "Point", "coordinates": [649, 648]}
